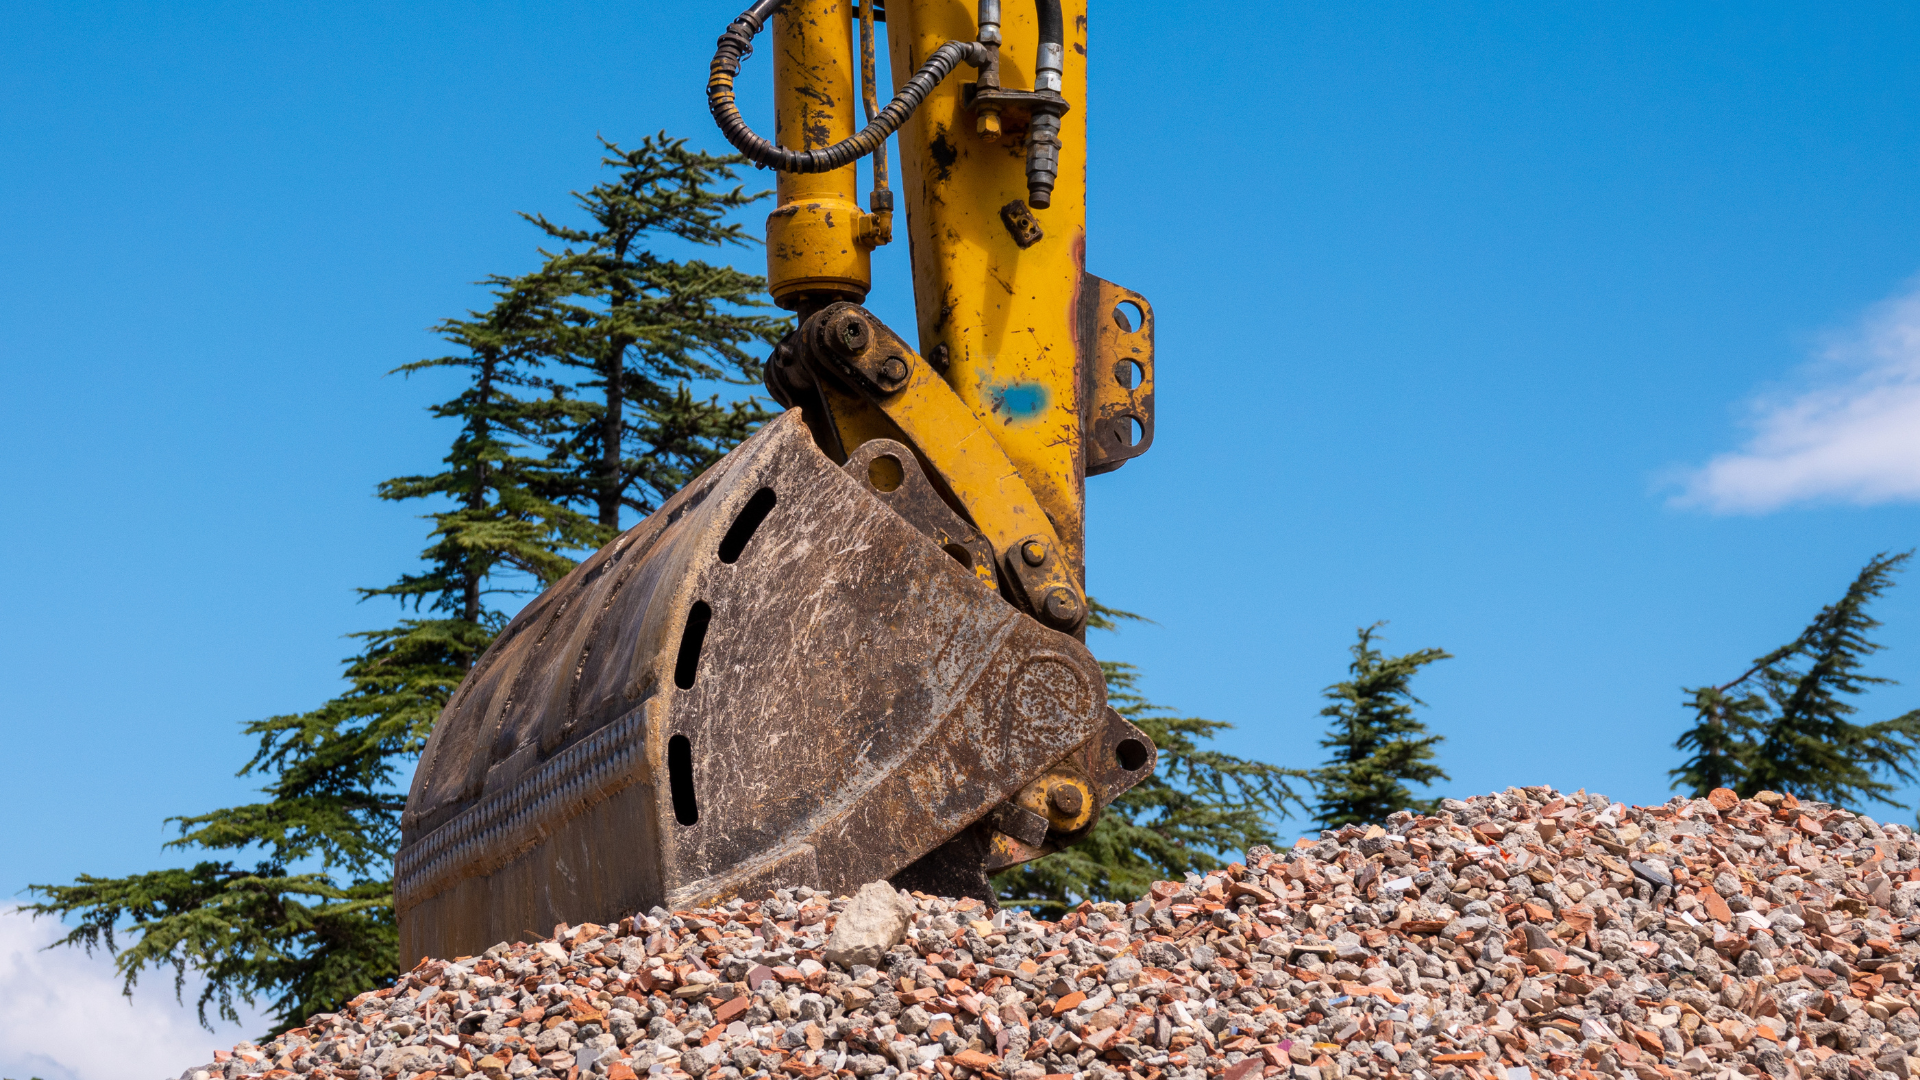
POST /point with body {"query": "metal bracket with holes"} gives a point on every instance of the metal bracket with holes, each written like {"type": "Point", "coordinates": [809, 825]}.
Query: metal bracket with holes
{"type": "Point", "coordinates": [1116, 333]}
{"type": "Point", "coordinates": [891, 473]}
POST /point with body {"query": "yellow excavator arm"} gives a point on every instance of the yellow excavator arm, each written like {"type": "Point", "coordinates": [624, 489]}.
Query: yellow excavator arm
{"type": "Point", "coordinates": [852, 649]}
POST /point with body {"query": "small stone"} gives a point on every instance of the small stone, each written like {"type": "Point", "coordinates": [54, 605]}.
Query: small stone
{"type": "Point", "coordinates": [914, 1020]}
{"type": "Point", "coordinates": [874, 922]}
{"type": "Point", "coordinates": [697, 1060]}
{"type": "Point", "coordinates": [1723, 799]}
{"type": "Point", "coordinates": [1652, 875]}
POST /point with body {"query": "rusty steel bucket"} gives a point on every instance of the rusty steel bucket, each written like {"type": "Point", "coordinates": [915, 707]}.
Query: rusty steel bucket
{"type": "Point", "coordinates": [785, 676]}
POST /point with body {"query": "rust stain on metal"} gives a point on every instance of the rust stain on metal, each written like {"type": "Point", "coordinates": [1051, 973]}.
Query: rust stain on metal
{"type": "Point", "coordinates": [1021, 224]}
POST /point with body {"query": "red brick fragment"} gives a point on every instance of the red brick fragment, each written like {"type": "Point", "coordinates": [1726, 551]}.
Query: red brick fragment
{"type": "Point", "coordinates": [1243, 1068]}
{"type": "Point", "coordinates": [977, 1061]}
{"type": "Point", "coordinates": [1548, 960]}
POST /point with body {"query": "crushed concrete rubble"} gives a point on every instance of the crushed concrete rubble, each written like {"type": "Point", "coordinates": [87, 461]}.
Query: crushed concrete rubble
{"type": "Point", "coordinates": [1509, 936]}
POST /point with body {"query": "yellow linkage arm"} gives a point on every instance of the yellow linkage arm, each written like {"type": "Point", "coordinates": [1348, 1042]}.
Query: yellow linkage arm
{"type": "Point", "coordinates": [849, 342]}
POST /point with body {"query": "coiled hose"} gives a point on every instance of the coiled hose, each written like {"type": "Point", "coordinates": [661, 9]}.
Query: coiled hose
{"type": "Point", "coordinates": [737, 43]}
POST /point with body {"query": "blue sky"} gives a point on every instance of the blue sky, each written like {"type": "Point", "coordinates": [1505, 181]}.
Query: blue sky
{"type": "Point", "coordinates": [1579, 340]}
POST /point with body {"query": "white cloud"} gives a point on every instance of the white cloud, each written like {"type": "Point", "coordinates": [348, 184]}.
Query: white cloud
{"type": "Point", "coordinates": [1850, 434]}
{"type": "Point", "coordinates": [62, 1016]}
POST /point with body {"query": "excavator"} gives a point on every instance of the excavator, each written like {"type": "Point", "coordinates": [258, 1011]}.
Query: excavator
{"type": "Point", "coordinates": [853, 649]}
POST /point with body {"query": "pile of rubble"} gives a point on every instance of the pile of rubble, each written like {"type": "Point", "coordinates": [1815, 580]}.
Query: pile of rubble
{"type": "Point", "coordinates": [1521, 933]}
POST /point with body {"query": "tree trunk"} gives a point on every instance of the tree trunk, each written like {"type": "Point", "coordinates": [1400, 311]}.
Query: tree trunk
{"type": "Point", "coordinates": [612, 426]}
{"type": "Point", "coordinates": [477, 495]}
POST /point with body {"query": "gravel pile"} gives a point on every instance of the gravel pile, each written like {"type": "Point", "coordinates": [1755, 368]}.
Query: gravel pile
{"type": "Point", "coordinates": [1527, 932]}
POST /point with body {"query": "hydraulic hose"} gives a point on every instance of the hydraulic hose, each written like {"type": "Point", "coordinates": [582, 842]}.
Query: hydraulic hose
{"type": "Point", "coordinates": [1053, 45]}
{"type": "Point", "coordinates": [737, 43]}
{"type": "Point", "coordinates": [1043, 134]}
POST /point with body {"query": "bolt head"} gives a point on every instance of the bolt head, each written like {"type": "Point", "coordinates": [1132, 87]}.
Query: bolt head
{"type": "Point", "coordinates": [848, 334]}
{"type": "Point", "coordinates": [1034, 552]}
{"type": "Point", "coordinates": [894, 370]}
{"type": "Point", "coordinates": [1062, 606]}
{"type": "Point", "coordinates": [1067, 800]}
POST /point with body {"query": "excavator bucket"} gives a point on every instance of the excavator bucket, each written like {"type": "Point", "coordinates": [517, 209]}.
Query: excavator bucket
{"type": "Point", "coordinates": [850, 650]}
{"type": "Point", "coordinates": [793, 673]}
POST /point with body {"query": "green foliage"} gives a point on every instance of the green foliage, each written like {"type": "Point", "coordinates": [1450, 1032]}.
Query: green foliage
{"type": "Point", "coordinates": [1377, 742]}
{"type": "Point", "coordinates": [498, 471]}
{"type": "Point", "coordinates": [1198, 804]}
{"type": "Point", "coordinates": [1782, 726]}
{"type": "Point", "coordinates": [637, 329]}
{"type": "Point", "coordinates": [601, 342]}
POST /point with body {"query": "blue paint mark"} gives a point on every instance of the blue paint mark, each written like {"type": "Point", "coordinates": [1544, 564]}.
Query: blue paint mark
{"type": "Point", "coordinates": [1021, 401]}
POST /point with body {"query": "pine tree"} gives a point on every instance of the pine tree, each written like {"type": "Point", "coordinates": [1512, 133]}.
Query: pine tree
{"type": "Point", "coordinates": [641, 329]}
{"type": "Point", "coordinates": [310, 924]}
{"type": "Point", "coordinates": [1378, 744]}
{"type": "Point", "coordinates": [1198, 804]}
{"type": "Point", "coordinates": [1782, 725]}
{"type": "Point", "coordinates": [501, 525]}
